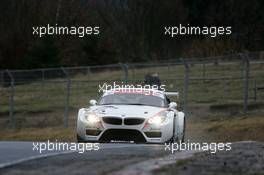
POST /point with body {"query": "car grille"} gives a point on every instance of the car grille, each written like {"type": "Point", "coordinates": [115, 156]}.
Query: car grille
{"type": "Point", "coordinates": [112, 120]}
{"type": "Point", "coordinates": [123, 135]}
{"type": "Point", "coordinates": [133, 121]}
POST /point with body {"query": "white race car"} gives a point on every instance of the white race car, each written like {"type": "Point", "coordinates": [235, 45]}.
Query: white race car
{"type": "Point", "coordinates": [133, 116]}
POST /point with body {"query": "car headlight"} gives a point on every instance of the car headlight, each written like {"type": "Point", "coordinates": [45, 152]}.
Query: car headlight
{"type": "Point", "coordinates": [157, 119]}
{"type": "Point", "coordinates": [91, 118]}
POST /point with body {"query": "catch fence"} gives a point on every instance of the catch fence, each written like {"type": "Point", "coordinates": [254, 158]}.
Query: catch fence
{"type": "Point", "coordinates": [52, 97]}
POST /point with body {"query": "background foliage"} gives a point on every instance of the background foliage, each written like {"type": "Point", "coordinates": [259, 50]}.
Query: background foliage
{"type": "Point", "coordinates": [131, 30]}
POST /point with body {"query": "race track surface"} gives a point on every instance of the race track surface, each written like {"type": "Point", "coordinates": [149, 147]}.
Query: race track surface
{"type": "Point", "coordinates": [18, 158]}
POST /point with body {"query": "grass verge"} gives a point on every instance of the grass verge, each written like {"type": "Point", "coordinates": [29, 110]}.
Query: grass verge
{"type": "Point", "coordinates": [39, 134]}
{"type": "Point", "coordinates": [213, 130]}
{"type": "Point", "coordinates": [233, 129]}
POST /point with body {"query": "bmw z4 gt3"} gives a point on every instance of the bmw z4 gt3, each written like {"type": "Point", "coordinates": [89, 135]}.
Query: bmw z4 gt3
{"type": "Point", "coordinates": [138, 116]}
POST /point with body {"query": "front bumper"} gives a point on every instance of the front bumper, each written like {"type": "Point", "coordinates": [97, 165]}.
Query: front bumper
{"type": "Point", "coordinates": [138, 133]}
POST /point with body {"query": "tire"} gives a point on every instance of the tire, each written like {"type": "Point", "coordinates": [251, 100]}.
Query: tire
{"type": "Point", "coordinates": [183, 137]}
{"type": "Point", "coordinates": [175, 138]}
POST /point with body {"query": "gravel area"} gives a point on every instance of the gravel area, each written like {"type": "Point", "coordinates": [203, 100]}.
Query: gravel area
{"type": "Point", "coordinates": [245, 158]}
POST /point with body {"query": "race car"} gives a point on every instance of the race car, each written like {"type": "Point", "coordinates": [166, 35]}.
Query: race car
{"type": "Point", "coordinates": [125, 115]}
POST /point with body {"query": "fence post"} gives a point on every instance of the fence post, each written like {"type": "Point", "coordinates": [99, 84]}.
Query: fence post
{"type": "Point", "coordinates": [225, 90]}
{"type": "Point", "coordinates": [11, 99]}
{"type": "Point", "coordinates": [88, 71]}
{"type": "Point", "coordinates": [42, 74]}
{"type": "Point", "coordinates": [203, 72]}
{"type": "Point", "coordinates": [2, 78]}
{"type": "Point", "coordinates": [246, 65]}
{"type": "Point", "coordinates": [168, 66]}
{"type": "Point", "coordinates": [186, 85]}
{"type": "Point", "coordinates": [125, 69]}
{"type": "Point", "coordinates": [67, 98]}
{"type": "Point", "coordinates": [255, 90]}
{"type": "Point", "coordinates": [132, 67]}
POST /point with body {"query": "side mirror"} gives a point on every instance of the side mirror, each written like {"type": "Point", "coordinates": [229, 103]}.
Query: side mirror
{"type": "Point", "coordinates": [173, 105]}
{"type": "Point", "coordinates": [93, 102]}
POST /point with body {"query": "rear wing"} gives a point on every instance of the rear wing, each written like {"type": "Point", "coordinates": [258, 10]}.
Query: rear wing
{"type": "Point", "coordinates": [172, 94]}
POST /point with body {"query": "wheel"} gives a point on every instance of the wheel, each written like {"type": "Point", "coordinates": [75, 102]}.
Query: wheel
{"type": "Point", "coordinates": [183, 137]}
{"type": "Point", "coordinates": [174, 138]}
{"type": "Point", "coordinates": [178, 136]}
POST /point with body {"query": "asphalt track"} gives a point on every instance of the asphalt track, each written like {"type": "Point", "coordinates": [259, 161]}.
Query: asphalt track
{"type": "Point", "coordinates": [16, 152]}
{"type": "Point", "coordinates": [13, 152]}
{"type": "Point", "coordinates": [19, 158]}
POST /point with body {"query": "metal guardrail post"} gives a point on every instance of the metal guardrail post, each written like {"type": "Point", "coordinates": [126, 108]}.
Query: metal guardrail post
{"type": "Point", "coordinates": [2, 78]}
{"type": "Point", "coordinates": [168, 68]}
{"type": "Point", "coordinates": [88, 72]}
{"type": "Point", "coordinates": [67, 98]}
{"type": "Point", "coordinates": [225, 90]}
{"type": "Point", "coordinates": [186, 86]}
{"type": "Point", "coordinates": [246, 65]}
{"type": "Point", "coordinates": [203, 72]}
{"type": "Point", "coordinates": [11, 99]}
{"type": "Point", "coordinates": [125, 69]}
{"type": "Point", "coordinates": [43, 74]}
{"type": "Point", "coordinates": [132, 67]}
{"type": "Point", "coordinates": [255, 90]}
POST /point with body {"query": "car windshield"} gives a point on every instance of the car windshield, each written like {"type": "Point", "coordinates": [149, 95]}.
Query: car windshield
{"type": "Point", "coordinates": [133, 99]}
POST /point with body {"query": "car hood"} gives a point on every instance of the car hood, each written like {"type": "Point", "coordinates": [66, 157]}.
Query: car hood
{"type": "Point", "coordinates": [126, 110]}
